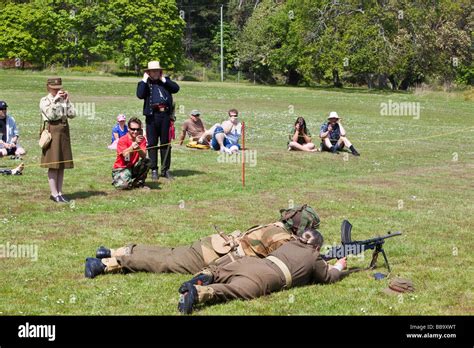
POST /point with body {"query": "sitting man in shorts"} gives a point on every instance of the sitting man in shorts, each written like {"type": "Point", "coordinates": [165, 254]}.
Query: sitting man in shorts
{"type": "Point", "coordinates": [226, 136]}
{"type": "Point", "coordinates": [333, 135]}
{"type": "Point", "coordinates": [9, 134]}
{"type": "Point", "coordinates": [131, 166]}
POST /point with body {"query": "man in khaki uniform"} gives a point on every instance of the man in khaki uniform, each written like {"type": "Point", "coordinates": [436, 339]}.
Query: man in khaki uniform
{"type": "Point", "coordinates": [217, 249]}
{"type": "Point", "coordinates": [295, 263]}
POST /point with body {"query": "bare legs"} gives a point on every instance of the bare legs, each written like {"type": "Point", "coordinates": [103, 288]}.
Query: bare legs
{"type": "Point", "coordinates": [309, 147]}
{"type": "Point", "coordinates": [207, 135]}
{"type": "Point", "coordinates": [55, 179]}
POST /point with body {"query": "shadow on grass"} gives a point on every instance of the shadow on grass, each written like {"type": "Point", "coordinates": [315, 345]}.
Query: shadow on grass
{"type": "Point", "coordinates": [185, 172]}
{"type": "Point", "coordinates": [85, 194]}
{"type": "Point", "coordinates": [154, 185]}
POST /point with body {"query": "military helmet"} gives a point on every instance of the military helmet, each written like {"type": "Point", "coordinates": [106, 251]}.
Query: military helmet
{"type": "Point", "coordinates": [300, 218]}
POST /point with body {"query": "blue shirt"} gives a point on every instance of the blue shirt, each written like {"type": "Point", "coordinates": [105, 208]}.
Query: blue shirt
{"type": "Point", "coordinates": [10, 129]}
{"type": "Point", "coordinates": [335, 134]}
{"type": "Point", "coordinates": [120, 132]}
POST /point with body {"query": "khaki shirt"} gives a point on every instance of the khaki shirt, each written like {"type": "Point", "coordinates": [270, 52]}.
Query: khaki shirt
{"type": "Point", "coordinates": [55, 110]}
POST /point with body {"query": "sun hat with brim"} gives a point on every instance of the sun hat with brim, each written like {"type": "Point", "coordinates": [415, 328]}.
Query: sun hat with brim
{"type": "Point", "coordinates": [154, 65]}
{"type": "Point", "coordinates": [398, 286]}
{"type": "Point", "coordinates": [55, 83]}
{"type": "Point", "coordinates": [333, 114]}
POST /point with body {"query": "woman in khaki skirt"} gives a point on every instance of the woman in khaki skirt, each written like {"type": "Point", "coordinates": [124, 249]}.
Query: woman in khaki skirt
{"type": "Point", "coordinates": [56, 109]}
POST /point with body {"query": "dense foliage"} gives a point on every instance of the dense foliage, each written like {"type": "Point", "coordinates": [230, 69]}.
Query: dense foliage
{"type": "Point", "coordinates": [383, 43]}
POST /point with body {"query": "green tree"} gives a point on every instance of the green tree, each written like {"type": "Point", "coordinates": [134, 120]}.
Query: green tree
{"type": "Point", "coordinates": [145, 30]}
{"type": "Point", "coordinates": [22, 32]}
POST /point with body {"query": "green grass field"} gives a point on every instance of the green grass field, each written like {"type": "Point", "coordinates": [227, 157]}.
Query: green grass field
{"type": "Point", "coordinates": [414, 175]}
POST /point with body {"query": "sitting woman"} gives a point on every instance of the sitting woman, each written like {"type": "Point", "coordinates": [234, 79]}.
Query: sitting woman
{"type": "Point", "coordinates": [300, 137]}
{"type": "Point", "coordinates": [119, 130]}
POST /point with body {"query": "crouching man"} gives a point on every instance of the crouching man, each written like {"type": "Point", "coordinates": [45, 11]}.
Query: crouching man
{"type": "Point", "coordinates": [131, 166]}
{"type": "Point", "coordinates": [295, 263]}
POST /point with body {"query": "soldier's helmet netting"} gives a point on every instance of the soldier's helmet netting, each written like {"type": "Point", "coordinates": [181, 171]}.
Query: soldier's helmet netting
{"type": "Point", "coordinates": [300, 218]}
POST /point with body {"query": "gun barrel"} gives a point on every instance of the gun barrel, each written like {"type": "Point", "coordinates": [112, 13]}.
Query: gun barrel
{"type": "Point", "coordinates": [378, 239]}
{"type": "Point", "coordinates": [356, 247]}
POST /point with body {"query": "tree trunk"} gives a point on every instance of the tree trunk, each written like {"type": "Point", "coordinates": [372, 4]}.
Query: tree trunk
{"type": "Point", "coordinates": [383, 81]}
{"type": "Point", "coordinates": [369, 81]}
{"type": "Point", "coordinates": [335, 78]}
{"type": "Point", "coordinates": [293, 78]}
{"type": "Point", "coordinates": [392, 80]}
{"type": "Point", "coordinates": [404, 84]}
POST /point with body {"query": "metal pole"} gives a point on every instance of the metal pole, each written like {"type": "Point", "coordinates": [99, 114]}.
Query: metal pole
{"type": "Point", "coordinates": [243, 154]}
{"type": "Point", "coordinates": [222, 45]}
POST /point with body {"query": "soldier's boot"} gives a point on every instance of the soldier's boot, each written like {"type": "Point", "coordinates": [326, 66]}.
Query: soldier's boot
{"type": "Point", "coordinates": [205, 277]}
{"type": "Point", "coordinates": [193, 295]}
{"type": "Point", "coordinates": [103, 252]}
{"type": "Point", "coordinates": [188, 299]}
{"type": "Point", "coordinates": [93, 267]}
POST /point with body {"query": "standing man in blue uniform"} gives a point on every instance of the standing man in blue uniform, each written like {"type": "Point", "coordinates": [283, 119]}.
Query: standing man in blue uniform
{"type": "Point", "coordinates": [156, 91]}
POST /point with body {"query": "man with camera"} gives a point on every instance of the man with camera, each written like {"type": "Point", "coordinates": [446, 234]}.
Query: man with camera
{"type": "Point", "coordinates": [333, 135]}
{"type": "Point", "coordinates": [226, 136]}
{"type": "Point", "coordinates": [156, 90]}
{"type": "Point", "coordinates": [9, 134]}
{"type": "Point", "coordinates": [131, 166]}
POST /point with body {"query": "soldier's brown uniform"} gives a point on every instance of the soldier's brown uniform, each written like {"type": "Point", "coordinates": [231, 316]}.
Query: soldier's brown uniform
{"type": "Point", "coordinates": [216, 249]}
{"type": "Point", "coordinates": [250, 277]}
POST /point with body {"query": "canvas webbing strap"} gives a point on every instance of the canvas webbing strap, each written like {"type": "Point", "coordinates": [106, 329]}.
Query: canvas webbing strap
{"type": "Point", "coordinates": [281, 265]}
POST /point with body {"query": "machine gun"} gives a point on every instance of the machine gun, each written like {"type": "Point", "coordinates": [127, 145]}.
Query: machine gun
{"type": "Point", "coordinates": [348, 246]}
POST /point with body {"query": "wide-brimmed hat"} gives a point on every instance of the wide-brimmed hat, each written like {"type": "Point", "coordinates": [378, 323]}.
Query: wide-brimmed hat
{"type": "Point", "coordinates": [55, 83]}
{"type": "Point", "coordinates": [333, 114]}
{"type": "Point", "coordinates": [154, 65]}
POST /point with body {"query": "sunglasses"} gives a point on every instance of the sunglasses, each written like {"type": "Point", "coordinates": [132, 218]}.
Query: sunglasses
{"type": "Point", "coordinates": [134, 129]}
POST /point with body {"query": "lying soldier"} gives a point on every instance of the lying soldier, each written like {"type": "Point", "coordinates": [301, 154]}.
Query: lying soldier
{"type": "Point", "coordinates": [218, 249]}
{"type": "Point", "coordinates": [296, 263]}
